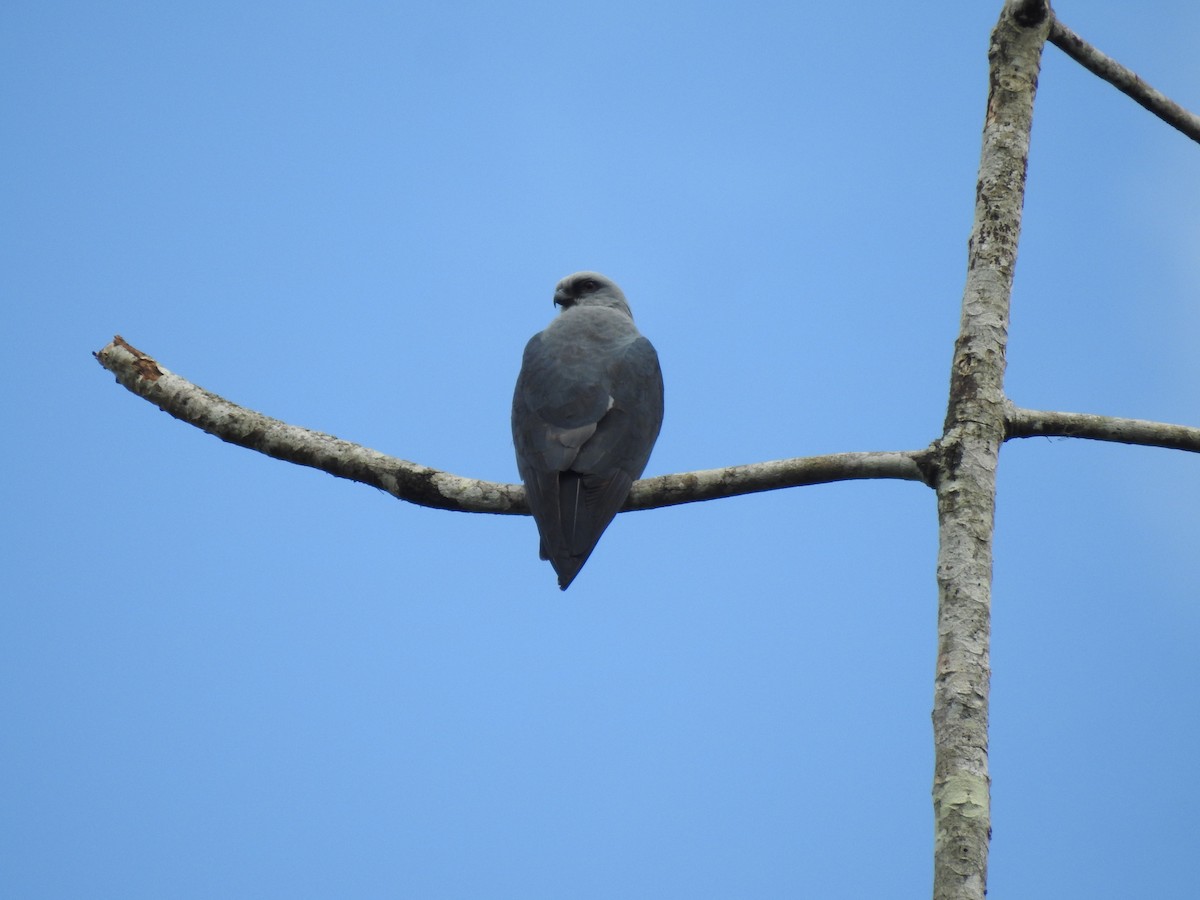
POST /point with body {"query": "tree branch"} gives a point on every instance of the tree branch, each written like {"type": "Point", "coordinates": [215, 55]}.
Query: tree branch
{"type": "Point", "coordinates": [1124, 80]}
{"type": "Point", "coordinates": [975, 428]}
{"type": "Point", "coordinates": [237, 425]}
{"type": "Point", "coordinates": [732, 481]}
{"type": "Point", "coordinates": [1023, 423]}
{"type": "Point", "coordinates": [441, 490]}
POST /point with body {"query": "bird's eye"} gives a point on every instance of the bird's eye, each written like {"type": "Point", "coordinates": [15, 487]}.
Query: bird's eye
{"type": "Point", "coordinates": [589, 285]}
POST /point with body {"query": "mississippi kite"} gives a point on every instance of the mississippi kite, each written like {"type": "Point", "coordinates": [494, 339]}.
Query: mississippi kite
{"type": "Point", "coordinates": [586, 412]}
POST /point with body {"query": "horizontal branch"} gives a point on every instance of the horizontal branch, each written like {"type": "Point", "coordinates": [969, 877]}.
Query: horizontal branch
{"type": "Point", "coordinates": [732, 481]}
{"type": "Point", "coordinates": [1124, 80]}
{"type": "Point", "coordinates": [237, 425]}
{"type": "Point", "coordinates": [424, 486]}
{"type": "Point", "coordinates": [1022, 423]}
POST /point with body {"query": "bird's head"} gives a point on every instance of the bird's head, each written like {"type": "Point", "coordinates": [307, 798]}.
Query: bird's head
{"type": "Point", "coordinates": [590, 289]}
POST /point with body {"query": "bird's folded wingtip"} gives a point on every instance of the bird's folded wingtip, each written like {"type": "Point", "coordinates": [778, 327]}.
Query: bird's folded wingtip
{"type": "Point", "coordinates": [567, 569]}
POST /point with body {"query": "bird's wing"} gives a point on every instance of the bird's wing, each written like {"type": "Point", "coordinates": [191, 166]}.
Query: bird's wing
{"type": "Point", "coordinates": [554, 413]}
{"type": "Point", "coordinates": [594, 490]}
{"type": "Point", "coordinates": [626, 433]}
{"type": "Point", "coordinates": [582, 440]}
{"type": "Point", "coordinates": [555, 409]}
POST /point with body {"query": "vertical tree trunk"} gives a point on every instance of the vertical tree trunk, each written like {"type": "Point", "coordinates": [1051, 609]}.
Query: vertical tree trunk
{"type": "Point", "coordinates": [966, 485]}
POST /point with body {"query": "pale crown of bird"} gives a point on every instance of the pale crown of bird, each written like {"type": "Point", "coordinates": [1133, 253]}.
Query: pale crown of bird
{"type": "Point", "coordinates": [590, 289]}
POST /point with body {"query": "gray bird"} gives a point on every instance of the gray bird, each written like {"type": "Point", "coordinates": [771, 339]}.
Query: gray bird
{"type": "Point", "coordinates": [586, 412]}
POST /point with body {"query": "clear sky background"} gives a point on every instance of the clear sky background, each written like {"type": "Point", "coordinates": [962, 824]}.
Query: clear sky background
{"type": "Point", "coordinates": [225, 676]}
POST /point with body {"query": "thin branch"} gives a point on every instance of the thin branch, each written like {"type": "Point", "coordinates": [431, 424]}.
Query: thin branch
{"type": "Point", "coordinates": [441, 490]}
{"type": "Point", "coordinates": [1124, 80]}
{"type": "Point", "coordinates": [732, 481]}
{"type": "Point", "coordinates": [1023, 423]}
{"type": "Point", "coordinates": [237, 425]}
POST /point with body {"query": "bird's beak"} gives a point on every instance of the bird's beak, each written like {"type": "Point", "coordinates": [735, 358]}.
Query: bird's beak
{"type": "Point", "coordinates": [561, 299]}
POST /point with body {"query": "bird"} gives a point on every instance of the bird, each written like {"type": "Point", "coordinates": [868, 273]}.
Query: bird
{"type": "Point", "coordinates": [587, 409]}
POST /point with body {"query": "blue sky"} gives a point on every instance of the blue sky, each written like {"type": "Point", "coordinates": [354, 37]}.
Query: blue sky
{"type": "Point", "coordinates": [224, 676]}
